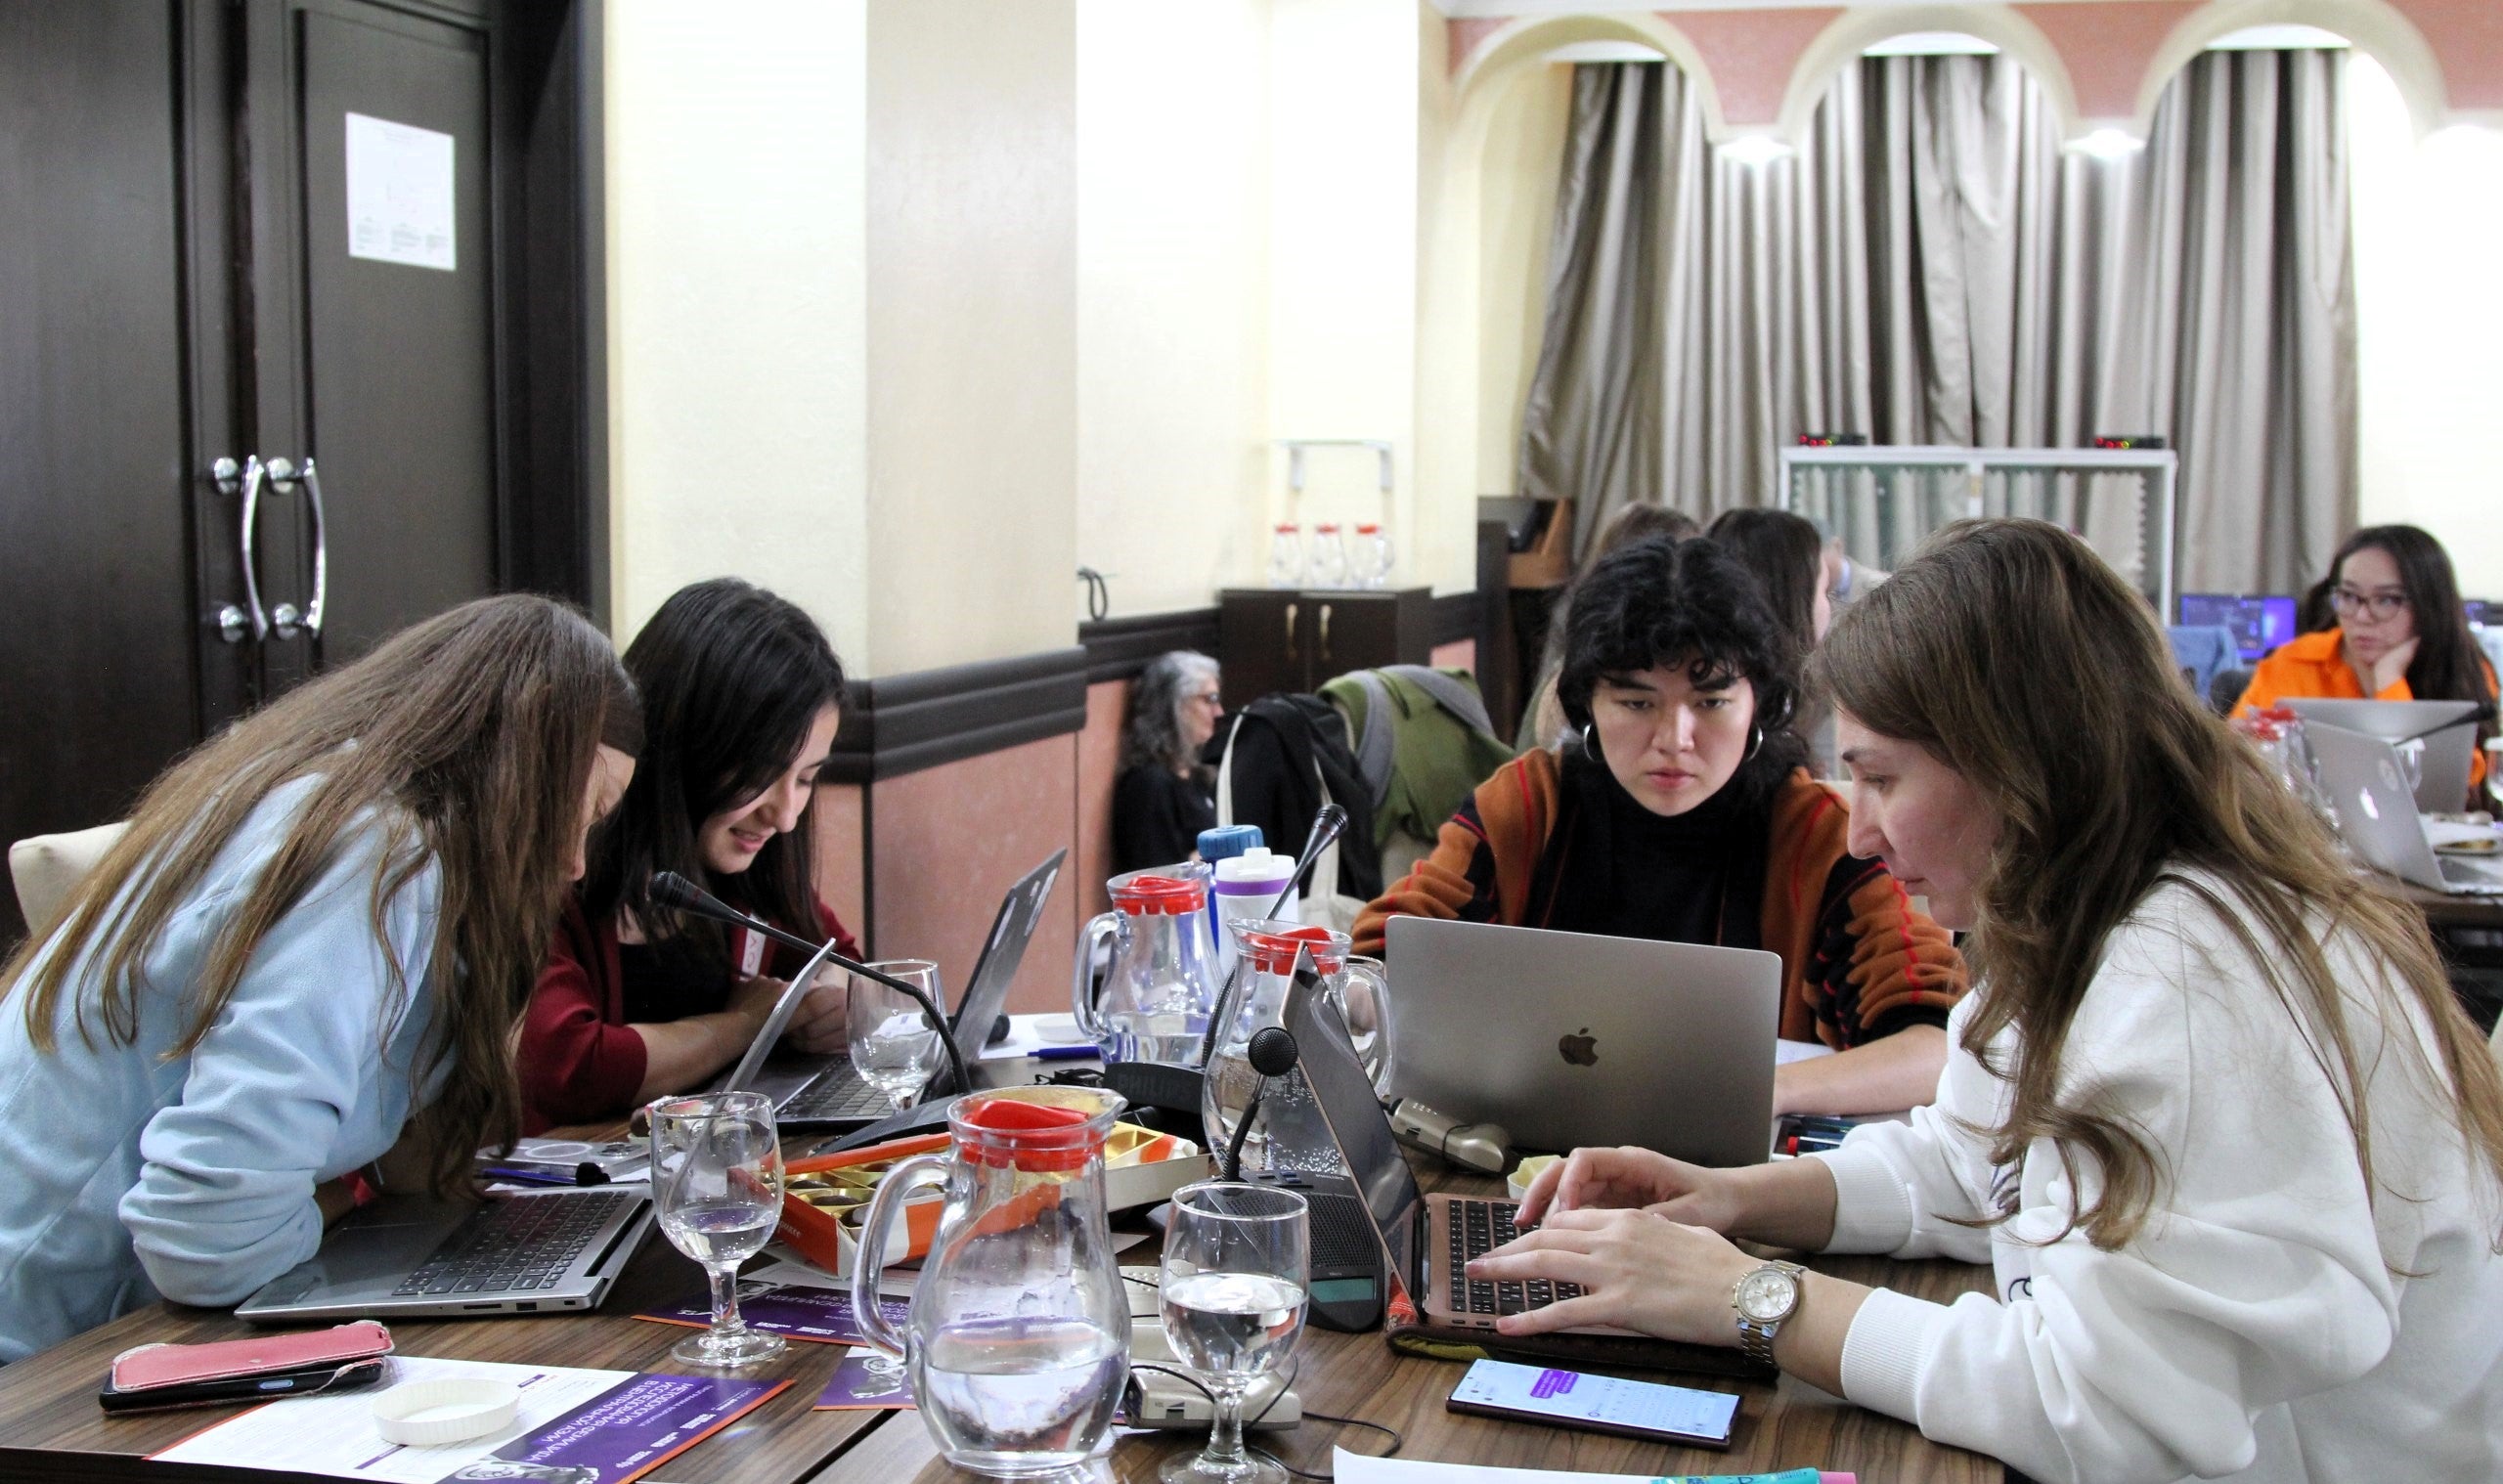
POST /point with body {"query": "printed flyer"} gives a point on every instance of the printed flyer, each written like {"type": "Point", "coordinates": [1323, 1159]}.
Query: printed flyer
{"type": "Point", "coordinates": [574, 1426]}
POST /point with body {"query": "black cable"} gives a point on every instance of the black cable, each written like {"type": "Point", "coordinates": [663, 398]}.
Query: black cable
{"type": "Point", "coordinates": [1294, 1369]}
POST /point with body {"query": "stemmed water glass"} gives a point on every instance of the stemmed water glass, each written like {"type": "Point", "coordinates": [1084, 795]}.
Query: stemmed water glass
{"type": "Point", "coordinates": [1237, 1260]}
{"type": "Point", "coordinates": [893, 1046]}
{"type": "Point", "coordinates": [716, 1187]}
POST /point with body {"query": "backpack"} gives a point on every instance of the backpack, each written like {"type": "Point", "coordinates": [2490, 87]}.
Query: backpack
{"type": "Point", "coordinates": [1286, 755]}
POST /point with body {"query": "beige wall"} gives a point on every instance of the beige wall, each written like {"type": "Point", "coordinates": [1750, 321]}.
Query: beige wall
{"type": "Point", "coordinates": [973, 329]}
{"type": "Point", "coordinates": [1172, 297]}
{"type": "Point", "coordinates": [2429, 317]}
{"type": "Point", "coordinates": [736, 262]}
{"type": "Point", "coordinates": [1517, 213]}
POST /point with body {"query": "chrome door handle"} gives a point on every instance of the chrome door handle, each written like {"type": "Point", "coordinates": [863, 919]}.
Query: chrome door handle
{"type": "Point", "coordinates": [285, 619]}
{"type": "Point", "coordinates": [233, 622]}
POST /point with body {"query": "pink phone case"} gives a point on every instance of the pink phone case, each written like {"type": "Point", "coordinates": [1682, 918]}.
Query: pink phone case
{"type": "Point", "coordinates": [151, 1365]}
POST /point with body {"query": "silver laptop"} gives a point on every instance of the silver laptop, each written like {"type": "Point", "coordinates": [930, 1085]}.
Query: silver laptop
{"type": "Point", "coordinates": [541, 1253]}
{"type": "Point", "coordinates": [823, 1091]}
{"type": "Point", "coordinates": [2377, 814]}
{"type": "Point", "coordinates": [1570, 1039]}
{"type": "Point", "coordinates": [2441, 776]}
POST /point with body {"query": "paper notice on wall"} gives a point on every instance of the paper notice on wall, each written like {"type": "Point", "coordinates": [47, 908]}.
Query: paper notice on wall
{"type": "Point", "coordinates": [399, 193]}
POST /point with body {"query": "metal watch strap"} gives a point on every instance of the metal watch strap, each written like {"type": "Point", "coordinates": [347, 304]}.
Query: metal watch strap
{"type": "Point", "coordinates": [1755, 1338]}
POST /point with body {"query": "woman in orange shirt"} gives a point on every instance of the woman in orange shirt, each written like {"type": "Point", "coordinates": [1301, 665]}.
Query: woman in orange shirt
{"type": "Point", "coordinates": [2401, 635]}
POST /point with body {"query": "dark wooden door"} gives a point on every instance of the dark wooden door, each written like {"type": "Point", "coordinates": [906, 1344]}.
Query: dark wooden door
{"type": "Point", "coordinates": [376, 353]}
{"type": "Point", "coordinates": [96, 680]}
{"type": "Point", "coordinates": [183, 291]}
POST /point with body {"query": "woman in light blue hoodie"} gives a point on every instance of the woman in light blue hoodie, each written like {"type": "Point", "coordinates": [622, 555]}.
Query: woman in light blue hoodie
{"type": "Point", "coordinates": [318, 935]}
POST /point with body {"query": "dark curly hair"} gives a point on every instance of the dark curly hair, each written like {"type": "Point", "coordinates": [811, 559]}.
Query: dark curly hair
{"type": "Point", "coordinates": [1657, 602]}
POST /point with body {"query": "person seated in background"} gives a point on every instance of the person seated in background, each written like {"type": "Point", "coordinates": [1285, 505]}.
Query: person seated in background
{"type": "Point", "coordinates": [1542, 719]}
{"type": "Point", "coordinates": [742, 695]}
{"type": "Point", "coordinates": [1792, 566]}
{"type": "Point", "coordinates": [1163, 795]}
{"type": "Point", "coordinates": [2217, 1121]}
{"type": "Point", "coordinates": [314, 940]}
{"type": "Point", "coordinates": [1679, 812]}
{"type": "Point", "coordinates": [2401, 633]}
{"type": "Point", "coordinates": [1789, 562]}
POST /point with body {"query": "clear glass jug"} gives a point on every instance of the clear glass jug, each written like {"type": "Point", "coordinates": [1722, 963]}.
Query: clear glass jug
{"type": "Point", "coordinates": [1156, 1002]}
{"type": "Point", "coordinates": [1287, 1133]}
{"type": "Point", "coordinates": [1017, 1348]}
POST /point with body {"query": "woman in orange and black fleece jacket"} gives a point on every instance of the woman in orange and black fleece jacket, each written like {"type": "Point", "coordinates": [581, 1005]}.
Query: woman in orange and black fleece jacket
{"type": "Point", "coordinates": [1679, 811]}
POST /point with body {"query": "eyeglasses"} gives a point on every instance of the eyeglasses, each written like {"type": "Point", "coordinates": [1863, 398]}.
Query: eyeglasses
{"type": "Point", "coordinates": [2383, 604]}
{"type": "Point", "coordinates": [1210, 698]}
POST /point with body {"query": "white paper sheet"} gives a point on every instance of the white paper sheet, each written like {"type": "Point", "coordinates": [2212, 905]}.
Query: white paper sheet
{"type": "Point", "coordinates": [1786, 1052]}
{"type": "Point", "coordinates": [336, 1435]}
{"type": "Point", "coordinates": [400, 208]}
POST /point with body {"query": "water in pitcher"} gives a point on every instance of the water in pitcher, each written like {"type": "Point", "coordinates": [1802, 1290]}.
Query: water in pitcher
{"type": "Point", "coordinates": [1020, 1397]}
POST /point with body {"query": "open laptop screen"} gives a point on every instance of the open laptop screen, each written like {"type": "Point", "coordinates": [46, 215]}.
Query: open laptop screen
{"type": "Point", "coordinates": [2259, 624]}
{"type": "Point", "coordinates": [1011, 930]}
{"type": "Point", "coordinates": [1346, 1098]}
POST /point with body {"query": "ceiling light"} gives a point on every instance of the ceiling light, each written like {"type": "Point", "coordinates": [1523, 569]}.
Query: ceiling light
{"type": "Point", "coordinates": [1756, 148]}
{"type": "Point", "coordinates": [2106, 144]}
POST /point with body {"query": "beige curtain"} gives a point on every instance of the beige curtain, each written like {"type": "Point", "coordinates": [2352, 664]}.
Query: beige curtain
{"type": "Point", "coordinates": [1932, 268]}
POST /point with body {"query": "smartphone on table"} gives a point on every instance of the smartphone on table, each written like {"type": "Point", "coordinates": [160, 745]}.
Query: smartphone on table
{"type": "Point", "coordinates": [1595, 1403]}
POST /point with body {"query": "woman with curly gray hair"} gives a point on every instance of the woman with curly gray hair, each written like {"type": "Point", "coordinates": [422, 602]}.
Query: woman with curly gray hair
{"type": "Point", "coordinates": [1165, 795]}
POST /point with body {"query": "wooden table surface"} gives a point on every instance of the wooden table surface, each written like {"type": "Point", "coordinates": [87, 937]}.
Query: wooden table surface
{"type": "Point", "coordinates": [52, 1429]}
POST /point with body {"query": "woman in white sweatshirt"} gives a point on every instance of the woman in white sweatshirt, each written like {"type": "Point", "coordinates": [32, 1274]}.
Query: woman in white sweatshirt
{"type": "Point", "coordinates": [2211, 1113]}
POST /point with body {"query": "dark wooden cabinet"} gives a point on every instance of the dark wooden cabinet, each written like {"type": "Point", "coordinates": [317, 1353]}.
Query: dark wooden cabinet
{"type": "Point", "coordinates": [1281, 640]}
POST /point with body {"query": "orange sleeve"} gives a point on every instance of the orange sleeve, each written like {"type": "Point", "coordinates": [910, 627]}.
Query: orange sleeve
{"type": "Point", "coordinates": [1442, 884]}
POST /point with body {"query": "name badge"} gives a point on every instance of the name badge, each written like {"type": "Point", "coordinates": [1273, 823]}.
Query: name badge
{"type": "Point", "coordinates": [751, 953]}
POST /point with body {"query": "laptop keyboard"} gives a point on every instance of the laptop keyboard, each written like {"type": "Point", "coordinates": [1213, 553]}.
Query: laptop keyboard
{"type": "Point", "coordinates": [1478, 1227]}
{"type": "Point", "coordinates": [838, 1093]}
{"type": "Point", "coordinates": [519, 1245]}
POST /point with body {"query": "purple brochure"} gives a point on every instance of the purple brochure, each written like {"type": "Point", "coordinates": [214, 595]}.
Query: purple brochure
{"type": "Point", "coordinates": [626, 1432]}
{"type": "Point", "coordinates": [866, 1381]}
{"type": "Point", "coordinates": [800, 1313]}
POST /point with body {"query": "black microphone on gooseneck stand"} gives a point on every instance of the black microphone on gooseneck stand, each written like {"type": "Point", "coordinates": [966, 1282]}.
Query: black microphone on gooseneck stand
{"type": "Point", "coordinates": [676, 892]}
{"type": "Point", "coordinates": [1272, 1053]}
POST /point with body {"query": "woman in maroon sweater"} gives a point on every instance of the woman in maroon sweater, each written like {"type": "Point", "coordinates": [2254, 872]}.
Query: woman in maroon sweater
{"type": "Point", "coordinates": [742, 695]}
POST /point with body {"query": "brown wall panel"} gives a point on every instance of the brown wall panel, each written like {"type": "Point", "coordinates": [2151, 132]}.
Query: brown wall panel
{"type": "Point", "coordinates": [1099, 752]}
{"type": "Point", "coordinates": [947, 841]}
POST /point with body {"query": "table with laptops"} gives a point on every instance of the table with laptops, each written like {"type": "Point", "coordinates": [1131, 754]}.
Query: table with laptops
{"type": "Point", "coordinates": [1408, 1214]}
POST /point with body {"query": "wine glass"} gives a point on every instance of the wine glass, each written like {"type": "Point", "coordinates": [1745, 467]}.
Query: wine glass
{"type": "Point", "coordinates": [1236, 1264]}
{"type": "Point", "coordinates": [717, 1186]}
{"type": "Point", "coordinates": [893, 1046]}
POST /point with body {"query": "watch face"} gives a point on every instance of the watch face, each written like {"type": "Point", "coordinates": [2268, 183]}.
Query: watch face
{"type": "Point", "coordinates": [1767, 1294]}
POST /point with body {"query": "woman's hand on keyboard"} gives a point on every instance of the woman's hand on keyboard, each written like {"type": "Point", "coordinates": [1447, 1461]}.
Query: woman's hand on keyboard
{"type": "Point", "coordinates": [817, 1025]}
{"type": "Point", "coordinates": [1639, 1271]}
{"type": "Point", "coordinates": [1631, 1178]}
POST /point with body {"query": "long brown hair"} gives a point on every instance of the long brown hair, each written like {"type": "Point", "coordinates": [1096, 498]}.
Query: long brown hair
{"type": "Point", "coordinates": [2013, 655]}
{"type": "Point", "coordinates": [464, 741]}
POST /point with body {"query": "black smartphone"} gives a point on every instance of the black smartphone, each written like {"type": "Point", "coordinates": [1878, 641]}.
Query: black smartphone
{"type": "Point", "coordinates": [1595, 1403]}
{"type": "Point", "coordinates": [266, 1388]}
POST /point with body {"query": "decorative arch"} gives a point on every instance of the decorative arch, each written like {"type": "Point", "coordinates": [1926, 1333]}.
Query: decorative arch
{"type": "Point", "coordinates": [2370, 27]}
{"type": "Point", "coordinates": [1853, 33]}
{"type": "Point", "coordinates": [1519, 45]}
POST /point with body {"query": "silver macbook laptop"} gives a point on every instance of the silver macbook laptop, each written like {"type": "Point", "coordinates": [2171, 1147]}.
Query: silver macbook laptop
{"type": "Point", "coordinates": [819, 1092]}
{"type": "Point", "coordinates": [545, 1251]}
{"type": "Point", "coordinates": [2443, 766]}
{"type": "Point", "coordinates": [1570, 1038]}
{"type": "Point", "coordinates": [2377, 814]}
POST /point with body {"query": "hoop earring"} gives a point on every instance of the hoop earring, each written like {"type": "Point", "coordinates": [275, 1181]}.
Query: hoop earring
{"type": "Point", "coordinates": [1755, 745]}
{"type": "Point", "coordinates": [1590, 743]}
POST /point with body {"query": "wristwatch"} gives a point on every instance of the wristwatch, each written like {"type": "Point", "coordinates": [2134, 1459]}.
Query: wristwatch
{"type": "Point", "coordinates": [1765, 1299]}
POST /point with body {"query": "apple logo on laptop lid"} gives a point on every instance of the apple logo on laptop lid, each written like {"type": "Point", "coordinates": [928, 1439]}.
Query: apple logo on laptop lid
{"type": "Point", "coordinates": [1579, 1049]}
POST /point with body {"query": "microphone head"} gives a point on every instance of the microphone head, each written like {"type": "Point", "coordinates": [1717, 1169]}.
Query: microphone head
{"type": "Point", "coordinates": [676, 892]}
{"type": "Point", "coordinates": [1272, 1052]}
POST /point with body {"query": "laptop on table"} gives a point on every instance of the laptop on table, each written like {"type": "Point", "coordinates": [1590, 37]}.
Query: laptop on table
{"type": "Point", "coordinates": [1571, 1038]}
{"type": "Point", "coordinates": [2377, 814]}
{"type": "Point", "coordinates": [541, 1253]}
{"type": "Point", "coordinates": [2448, 729]}
{"type": "Point", "coordinates": [826, 1092]}
{"type": "Point", "coordinates": [1425, 1241]}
